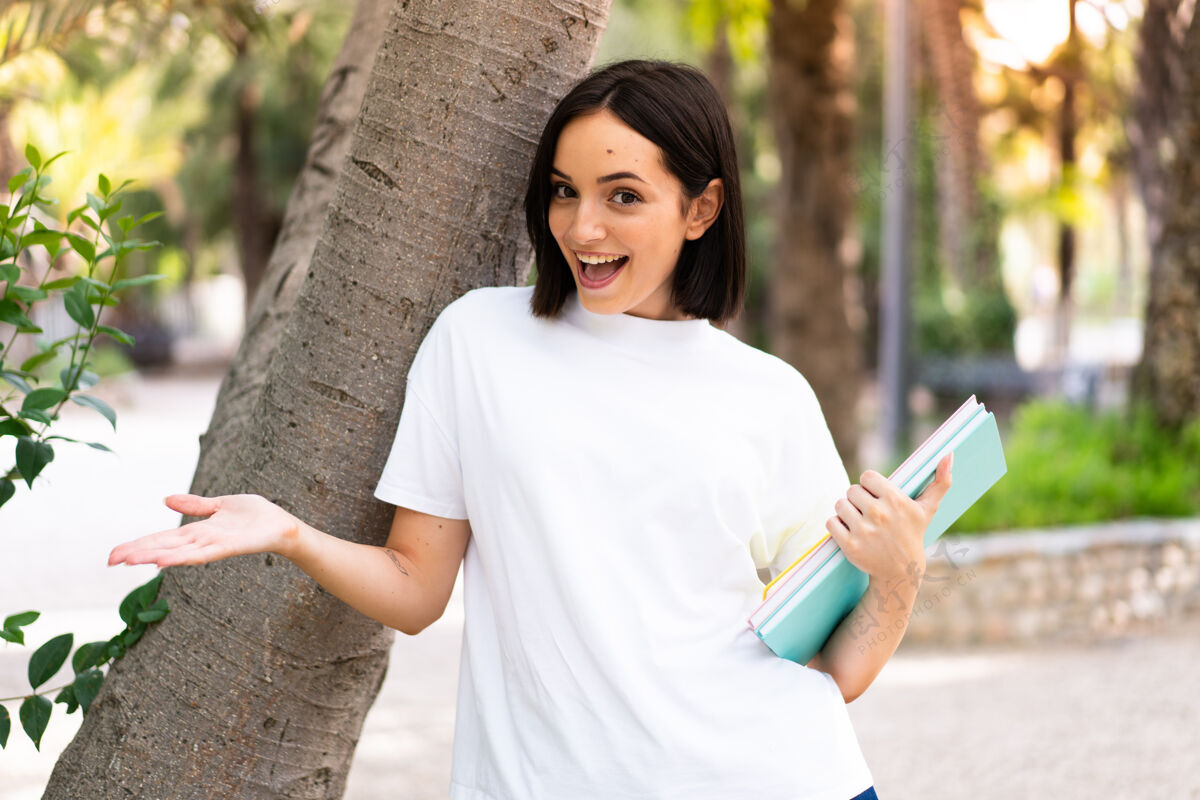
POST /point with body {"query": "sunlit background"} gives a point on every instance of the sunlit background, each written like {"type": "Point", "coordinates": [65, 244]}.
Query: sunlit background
{"type": "Point", "coordinates": [1034, 234]}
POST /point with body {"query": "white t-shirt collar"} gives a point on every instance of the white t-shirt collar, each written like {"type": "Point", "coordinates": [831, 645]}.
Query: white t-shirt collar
{"type": "Point", "coordinates": [628, 329]}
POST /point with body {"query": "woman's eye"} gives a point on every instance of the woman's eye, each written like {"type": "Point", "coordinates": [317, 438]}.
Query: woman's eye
{"type": "Point", "coordinates": [561, 191]}
{"type": "Point", "coordinates": [626, 198]}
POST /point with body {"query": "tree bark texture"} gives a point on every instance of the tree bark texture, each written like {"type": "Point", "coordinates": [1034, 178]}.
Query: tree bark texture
{"type": "Point", "coordinates": [257, 682]}
{"type": "Point", "coordinates": [1171, 354]}
{"type": "Point", "coordinates": [809, 299]}
{"type": "Point", "coordinates": [968, 249]}
{"type": "Point", "coordinates": [1068, 127]}
{"type": "Point", "coordinates": [270, 308]}
{"type": "Point", "coordinates": [719, 67]}
{"type": "Point", "coordinates": [1154, 106]}
{"type": "Point", "coordinates": [252, 220]}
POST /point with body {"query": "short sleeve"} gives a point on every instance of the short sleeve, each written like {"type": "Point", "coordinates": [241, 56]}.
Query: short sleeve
{"type": "Point", "coordinates": [423, 471]}
{"type": "Point", "coordinates": [805, 479]}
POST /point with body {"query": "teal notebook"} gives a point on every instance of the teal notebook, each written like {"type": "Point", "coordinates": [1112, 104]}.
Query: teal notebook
{"type": "Point", "coordinates": [801, 617]}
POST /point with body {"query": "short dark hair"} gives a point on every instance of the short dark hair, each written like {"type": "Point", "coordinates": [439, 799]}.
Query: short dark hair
{"type": "Point", "coordinates": [678, 109]}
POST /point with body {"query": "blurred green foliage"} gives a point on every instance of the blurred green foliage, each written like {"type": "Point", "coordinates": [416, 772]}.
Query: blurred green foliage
{"type": "Point", "coordinates": [984, 323]}
{"type": "Point", "coordinates": [695, 32]}
{"type": "Point", "coordinates": [1070, 465]}
{"type": "Point", "coordinates": [944, 320]}
{"type": "Point", "coordinates": [152, 92]}
{"type": "Point", "coordinates": [34, 388]}
{"type": "Point", "coordinates": [743, 23]}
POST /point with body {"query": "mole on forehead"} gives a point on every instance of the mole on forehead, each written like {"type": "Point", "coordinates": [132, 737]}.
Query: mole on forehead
{"type": "Point", "coordinates": [610, 152]}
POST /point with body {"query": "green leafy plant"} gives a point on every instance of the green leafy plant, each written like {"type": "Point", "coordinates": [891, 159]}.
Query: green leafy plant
{"type": "Point", "coordinates": [84, 296]}
{"type": "Point", "coordinates": [138, 610]}
{"type": "Point", "coordinates": [30, 405]}
{"type": "Point", "coordinates": [1071, 465]}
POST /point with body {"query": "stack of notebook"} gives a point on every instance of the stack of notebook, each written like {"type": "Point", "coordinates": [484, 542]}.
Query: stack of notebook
{"type": "Point", "coordinates": [805, 603]}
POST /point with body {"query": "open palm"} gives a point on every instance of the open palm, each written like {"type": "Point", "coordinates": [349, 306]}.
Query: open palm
{"type": "Point", "coordinates": [237, 524]}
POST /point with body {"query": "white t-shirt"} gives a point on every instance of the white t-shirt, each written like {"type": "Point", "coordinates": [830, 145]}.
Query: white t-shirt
{"type": "Point", "coordinates": [624, 479]}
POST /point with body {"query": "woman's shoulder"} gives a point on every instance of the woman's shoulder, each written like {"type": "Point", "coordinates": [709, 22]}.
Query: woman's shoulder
{"type": "Point", "coordinates": [485, 308]}
{"type": "Point", "coordinates": [487, 301]}
{"type": "Point", "coordinates": [472, 323]}
{"type": "Point", "coordinates": [767, 371]}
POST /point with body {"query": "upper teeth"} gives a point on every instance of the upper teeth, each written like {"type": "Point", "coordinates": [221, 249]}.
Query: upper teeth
{"type": "Point", "coordinates": [597, 259]}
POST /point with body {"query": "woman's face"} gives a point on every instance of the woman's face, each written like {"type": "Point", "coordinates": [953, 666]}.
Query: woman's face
{"type": "Point", "coordinates": [619, 216]}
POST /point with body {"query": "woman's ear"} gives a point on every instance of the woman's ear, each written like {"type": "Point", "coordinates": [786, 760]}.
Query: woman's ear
{"type": "Point", "coordinates": [703, 210]}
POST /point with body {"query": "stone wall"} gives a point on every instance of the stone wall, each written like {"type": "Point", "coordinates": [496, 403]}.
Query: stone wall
{"type": "Point", "coordinates": [1079, 583]}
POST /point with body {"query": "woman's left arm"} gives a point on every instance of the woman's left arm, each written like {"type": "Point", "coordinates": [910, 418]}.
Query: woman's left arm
{"type": "Point", "coordinates": [881, 531]}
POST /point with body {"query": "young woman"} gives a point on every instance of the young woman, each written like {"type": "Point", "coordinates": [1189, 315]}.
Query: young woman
{"type": "Point", "coordinates": [612, 471]}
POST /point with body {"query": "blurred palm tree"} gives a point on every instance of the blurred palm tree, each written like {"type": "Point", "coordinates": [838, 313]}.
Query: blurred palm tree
{"type": "Point", "coordinates": [809, 304]}
{"type": "Point", "coordinates": [969, 260]}
{"type": "Point", "coordinates": [1167, 129]}
{"type": "Point", "coordinates": [209, 102]}
{"type": "Point", "coordinates": [26, 26]}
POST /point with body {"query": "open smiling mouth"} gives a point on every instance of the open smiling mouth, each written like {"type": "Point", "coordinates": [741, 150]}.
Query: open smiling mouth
{"type": "Point", "coordinates": [598, 271]}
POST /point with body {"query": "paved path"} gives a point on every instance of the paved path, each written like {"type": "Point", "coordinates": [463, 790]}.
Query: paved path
{"type": "Point", "coordinates": [1119, 720]}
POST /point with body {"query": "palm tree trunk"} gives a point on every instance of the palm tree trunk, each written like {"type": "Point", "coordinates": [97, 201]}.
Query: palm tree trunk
{"type": "Point", "coordinates": [1158, 62]}
{"type": "Point", "coordinates": [1170, 367]}
{"type": "Point", "coordinates": [812, 103]}
{"type": "Point", "coordinates": [719, 67]}
{"type": "Point", "coordinates": [249, 204]}
{"type": "Point", "coordinates": [256, 684]}
{"type": "Point", "coordinates": [1067, 129]}
{"type": "Point", "coordinates": [270, 308]}
{"type": "Point", "coordinates": [968, 251]}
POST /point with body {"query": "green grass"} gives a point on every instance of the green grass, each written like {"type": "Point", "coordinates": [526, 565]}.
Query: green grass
{"type": "Point", "coordinates": [1068, 465]}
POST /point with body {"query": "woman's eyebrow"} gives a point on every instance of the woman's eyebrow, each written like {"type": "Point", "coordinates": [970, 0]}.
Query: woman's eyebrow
{"type": "Point", "coordinates": [616, 176]}
{"type": "Point", "coordinates": [619, 176]}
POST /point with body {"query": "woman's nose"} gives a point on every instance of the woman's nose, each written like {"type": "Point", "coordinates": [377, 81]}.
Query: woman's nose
{"type": "Point", "coordinates": [587, 225]}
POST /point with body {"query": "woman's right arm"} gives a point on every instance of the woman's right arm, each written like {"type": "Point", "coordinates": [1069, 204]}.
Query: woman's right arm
{"type": "Point", "coordinates": [404, 584]}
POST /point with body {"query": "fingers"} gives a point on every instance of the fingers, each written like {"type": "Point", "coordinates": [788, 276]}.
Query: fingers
{"type": "Point", "coordinates": [193, 505]}
{"type": "Point", "coordinates": [176, 556]}
{"type": "Point", "coordinates": [848, 514]}
{"type": "Point", "coordinates": [147, 549]}
{"type": "Point", "coordinates": [947, 464]}
{"type": "Point", "coordinates": [876, 484]}
{"type": "Point", "coordinates": [154, 541]}
{"type": "Point", "coordinates": [860, 498]}
{"type": "Point", "coordinates": [837, 529]}
{"type": "Point", "coordinates": [931, 498]}
{"type": "Point", "coordinates": [175, 546]}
